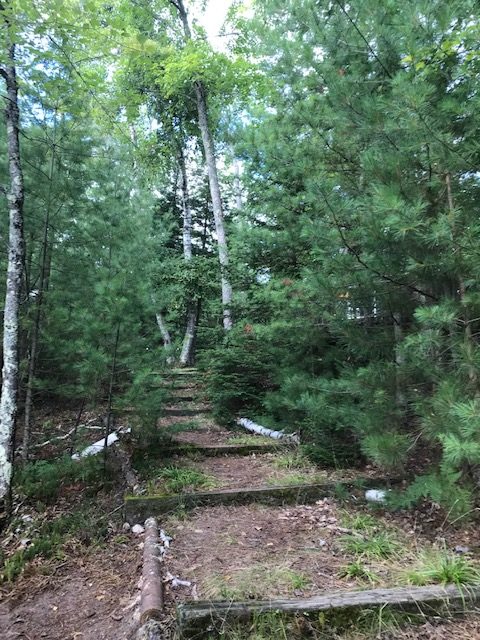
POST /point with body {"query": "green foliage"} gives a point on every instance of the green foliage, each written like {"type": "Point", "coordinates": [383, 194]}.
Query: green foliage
{"type": "Point", "coordinates": [238, 374]}
{"type": "Point", "coordinates": [440, 487]}
{"type": "Point", "coordinates": [85, 525]}
{"type": "Point", "coordinates": [179, 479]}
{"type": "Point", "coordinates": [441, 566]}
{"type": "Point", "coordinates": [379, 545]}
{"type": "Point", "coordinates": [357, 570]}
{"type": "Point", "coordinates": [44, 480]}
{"type": "Point", "coordinates": [387, 450]}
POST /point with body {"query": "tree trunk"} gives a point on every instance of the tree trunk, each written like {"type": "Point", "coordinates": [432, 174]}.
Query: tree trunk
{"type": "Point", "coordinates": [16, 253]}
{"type": "Point", "coordinates": [44, 276]}
{"type": "Point", "coordinates": [113, 371]}
{"type": "Point", "coordinates": [209, 150]}
{"type": "Point", "coordinates": [165, 333]}
{"type": "Point", "coordinates": [400, 399]}
{"type": "Point", "coordinates": [186, 355]}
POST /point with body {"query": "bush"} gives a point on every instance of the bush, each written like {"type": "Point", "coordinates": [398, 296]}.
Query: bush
{"type": "Point", "coordinates": [44, 479]}
{"type": "Point", "coordinates": [239, 372]}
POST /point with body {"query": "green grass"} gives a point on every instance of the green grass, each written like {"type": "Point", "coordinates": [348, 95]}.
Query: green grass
{"type": "Point", "coordinates": [360, 521]}
{"type": "Point", "coordinates": [49, 538]}
{"type": "Point", "coordinates": [370, 624]}
{"type": "Point", "coordinates": [358, 571]}
{"type": "Point", "coordinates": [292, 460]}
{"type": "Point", "coordinates": [247, 439]}
{"type": "Point", "coordinates": [178, 479]}
{"type": "Point", "coordinates": [180, 427]}
{"type": "Point", "coordinates": [379, 546]}
{"type": "Point", "coordinates": [259, 581]}
{"type": "Point", "coordinates": [288, 480]}
{"type": "Point", "coordinates": [440, 566]}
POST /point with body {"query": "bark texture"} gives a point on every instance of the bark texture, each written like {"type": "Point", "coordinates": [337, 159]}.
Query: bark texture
{"type": "Point", "coordinates": [210, 159]}
{"type": "Point", "coordinates": [195, 619]}
{"type": "Point", "coordinates": [16, 252]}
{"type": "Point", "coordinates": [186, 355]}
{"type": "Point", "coordinates": [151, 604]}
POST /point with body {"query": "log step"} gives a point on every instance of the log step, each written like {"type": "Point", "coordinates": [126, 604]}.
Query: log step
{"type": "Point", "coordinates": [196, 620]}
{"type": "Point", "coordinates": [138, 508]}
{"type": "Point", "coordinates": [182, 413]}
{"type": "Point", "coordinates": [184, 448]}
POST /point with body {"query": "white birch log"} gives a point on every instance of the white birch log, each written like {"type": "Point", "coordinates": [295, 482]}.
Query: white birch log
{"type": "Point", "coordinates": [263, 431]}
{"type": "Point", "coordinates": [97, 447]}
{"type": "Point", "coordinates": [151, 603]}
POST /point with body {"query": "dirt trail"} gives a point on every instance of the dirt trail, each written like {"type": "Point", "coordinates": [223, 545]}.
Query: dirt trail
{"type": "Point", "coordinates": [254, 551]}
{"type": "Point", "coordinates": [225, 552]}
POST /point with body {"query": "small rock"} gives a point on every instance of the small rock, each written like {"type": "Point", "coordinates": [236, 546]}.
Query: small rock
{"type": "Point", "coordinates": [126, 526]}
{"type": "Point", "coordinates": [322, 542]}
{"type": "Point", "coordinates": [376, 495]}
{"type": "Point", "coordinates": [25, 542]}
{"type": "Point", "coordinates": [138, 529]}
{"type": "Point", "coordinates": [462, 549]}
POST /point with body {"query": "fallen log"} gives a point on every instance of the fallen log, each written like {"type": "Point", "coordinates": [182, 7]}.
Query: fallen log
{"type": "Point", "coordinates": [263, 431]}
{"type": "Point", "coordinates": [137, 508]}
{"type": "Point", "coordinates": [151, 603]}
{"type": "Point", "coordinates": [151, 630]}
{"type": "Point", "coordinates": [97, 447]}
{"type": "Point", "coordinates": [197, 619]}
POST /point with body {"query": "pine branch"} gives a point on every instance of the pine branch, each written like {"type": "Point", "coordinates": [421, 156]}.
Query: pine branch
{"type": "Point", "coordinates": [372, 51]}
{"type": "Point", "coordinates": [364, 264]}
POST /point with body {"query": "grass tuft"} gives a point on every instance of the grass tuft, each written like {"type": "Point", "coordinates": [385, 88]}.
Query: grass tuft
{"type": "Point", "coordinates": [440, 566]}
{"type": "Point", "coordinates": [178, 479]}
{"type": "Point", "coordinates": [380, 545]}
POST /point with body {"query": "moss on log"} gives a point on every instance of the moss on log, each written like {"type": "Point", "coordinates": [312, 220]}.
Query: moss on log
{"type": "Point", "coordinates": [138, 508]}
{"type": "Point", "coordinates": [197, 619]}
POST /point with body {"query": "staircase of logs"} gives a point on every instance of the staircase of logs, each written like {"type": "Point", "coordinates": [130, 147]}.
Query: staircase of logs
{"type": "Point", "coordinates": [195, 619]}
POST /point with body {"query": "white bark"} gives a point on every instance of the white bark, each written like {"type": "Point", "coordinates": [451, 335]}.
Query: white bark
{"type": "Point", "coordinates": [167, 341]}
{"type": "Point", "coordinates": [209, 150]}
{"type": "Point", "coordinates": [186, 355]}
{"type": "Point", "coordinates": [263, 431]}
{"type": "Point", "coordinates": [99, 446]}
{"type": "Point", "coordinates": [16, 251]}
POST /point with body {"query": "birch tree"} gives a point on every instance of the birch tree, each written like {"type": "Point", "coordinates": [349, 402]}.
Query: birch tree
{"type": "Point", "coordinates": [16, 254]}
{"type": "Point", "coordinates": [214, 183]}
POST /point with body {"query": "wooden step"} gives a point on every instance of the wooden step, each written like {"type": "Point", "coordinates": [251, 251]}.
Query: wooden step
{"type": "Point", "coordinates": [182, 413]}
{"type": "Point", "coordinates": [196, 620]}
{"type": "Point", "coordinates": [139, 508]}
{"type": "Point", "coordinates": [210, 450]}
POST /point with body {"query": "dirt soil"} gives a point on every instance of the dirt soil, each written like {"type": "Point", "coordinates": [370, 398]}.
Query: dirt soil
{"type": "Point", "coordinates": [237, 551]}
{"type": "Point", "coordinates": [84, 598]}
{"type": "Point", "coordinates": [235, 472]}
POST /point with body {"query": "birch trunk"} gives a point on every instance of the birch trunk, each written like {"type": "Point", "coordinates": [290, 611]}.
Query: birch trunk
{"type": "Point", "coordinates": [186, 355]}
{"type": "Point", "coordinates": [162, 326]}
{"type": "Point", "coordinates": [16, 252]}
{"type": "Point", "coordinates": [209, 150]}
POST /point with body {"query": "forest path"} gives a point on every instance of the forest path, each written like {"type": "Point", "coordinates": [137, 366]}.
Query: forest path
{"type": "Point", "coordinates": [255, 549]}
{"type": "Point", "coordinates": [241, 551]}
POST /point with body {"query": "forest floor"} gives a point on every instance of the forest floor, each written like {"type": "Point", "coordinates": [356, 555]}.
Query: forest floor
{"type": "Point", "coordinates": [88, 588]}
